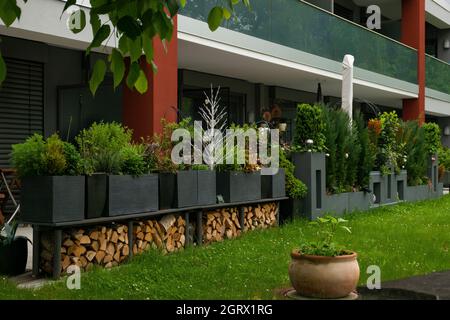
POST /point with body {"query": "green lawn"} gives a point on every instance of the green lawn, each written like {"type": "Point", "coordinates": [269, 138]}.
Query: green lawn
{"type": "Point", "coordinates": [404, 240]}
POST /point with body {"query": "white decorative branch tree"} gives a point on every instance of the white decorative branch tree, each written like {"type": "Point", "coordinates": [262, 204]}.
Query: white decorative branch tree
{"type": "Point", "coordinates": [215, 118]}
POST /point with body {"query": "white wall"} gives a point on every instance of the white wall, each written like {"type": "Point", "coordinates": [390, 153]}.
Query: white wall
{"type": "Point", "coordinates": [40, 21]}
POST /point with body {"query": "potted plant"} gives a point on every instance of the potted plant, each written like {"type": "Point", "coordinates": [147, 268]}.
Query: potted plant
{"type": "Point", "coordinates": [177, 182]}
{"type": "Point", "coordinates": [323, 269]}
{"type": "Point", "coordinates": [239, 182]}
{"type": "Point", "coordinates": [52, 187]}
{"type": "Point", "coordinates": [13, 251]}
{"type": "Point", "coordinates": [118, 180]}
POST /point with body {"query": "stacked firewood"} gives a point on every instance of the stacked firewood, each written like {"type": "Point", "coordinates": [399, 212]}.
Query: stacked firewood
{"type": "Point", "coordinates": [104, 246]}
{"type": "Point", "coordinates": [167, 234]}
{"type": "Point", "coordinates": [260, 216]}
{"type": "Point", "coordinates": [221, 224]}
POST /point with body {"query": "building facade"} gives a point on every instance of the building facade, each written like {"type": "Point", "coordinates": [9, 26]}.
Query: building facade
{"type": "Point", "coordinates": [266, 60]}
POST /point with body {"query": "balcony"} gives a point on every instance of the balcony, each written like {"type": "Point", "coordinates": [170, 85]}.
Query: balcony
{"type": "Point", "coordinates": [301, 26]}
{"type": "Point", "coordinates": [437, 75]}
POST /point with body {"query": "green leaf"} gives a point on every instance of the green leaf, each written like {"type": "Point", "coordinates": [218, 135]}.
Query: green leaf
{"type": "Point", "coordinates": [98, 74]}
{"type": "Point", "coordinates": [9, 11]}
{"type": "Point", "coordinates": [68, 4]}
{"type": "Point", "coordinates": [347, 229]}
{"type": "Point", "coordinates": [117, 67]}
{"type": "Point", "coordinates": [173, 7]}
{"type": "Point", "coordinates": [129, 26]}
{"type": "Point", "coordinates": [226, 13]}
{"type": "Point", "coordinates": [99, 37]}
{"type": "Point", "coordinates": [77, 21]}
{"type": "Point", "coordinates": [215, 18]}
{"type": "Point", "coordinates": [147, 45]}
{"type": "Point", "coordinates": [95, 22]}
{"type": "Point", "coordinates": [141, 84]}
{"type": "Point", "coordinates": [135, 49]}
{"type": "Point", "coordinates": [2, 69]}
{"type": "Point", "coordinates": [133, 74]}
{"type": "Point", "coordinates": [182, 3]}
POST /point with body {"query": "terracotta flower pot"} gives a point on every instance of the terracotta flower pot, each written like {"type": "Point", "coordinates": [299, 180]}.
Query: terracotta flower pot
{"type": "Point", "coordinates": [324, 277]}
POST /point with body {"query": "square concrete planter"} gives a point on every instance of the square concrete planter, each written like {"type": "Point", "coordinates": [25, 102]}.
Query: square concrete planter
{"type": "Point", "coordinates": [52, 199]}
{"type": "Point", "coordinates": [115, 195]}
{"type": "Point", "coordinates": [273, 186]}
{"type": "Point", "coordinates": [236, 186]}
{"type": "Point", "coordinates": [178, 190]}
{"type": "Point", "coordinates": [206, 188]}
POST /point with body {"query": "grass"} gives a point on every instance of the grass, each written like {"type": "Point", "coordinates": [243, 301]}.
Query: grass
{"type": "Point", "coordinates": [403, 240]}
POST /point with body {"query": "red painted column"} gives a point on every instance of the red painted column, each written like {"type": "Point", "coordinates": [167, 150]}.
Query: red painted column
{"type": "Point", "coordinates": [413, 35]}
{"type": "Point", "coordinates": [143, 113]}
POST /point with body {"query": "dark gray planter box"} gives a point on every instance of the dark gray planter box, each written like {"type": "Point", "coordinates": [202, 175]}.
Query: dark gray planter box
{"type": "Point", "coordinates": [336, 204]}
{"type": "Point", "coordinates": [273, 186]}
{"type": "Point", "coordinates": [178, 190]}
{"type": "Point", "coordinates": [115, 195]}
{"type": "Point", "coordinates": [238, 186]}
{"type": "Point", "coordinates": [52, 199]}
{"type": "Point", "coordinates": [359, 201]}
{"type": "Point", "coordinates": [128, 194]}
{"type": "Point", "coordinates": [206, 188]}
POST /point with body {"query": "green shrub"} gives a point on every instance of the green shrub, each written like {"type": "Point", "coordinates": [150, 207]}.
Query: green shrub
{"type": "Point", "coordinates": [309, 126]}
{"type": "Point", "coordinates": [73, 159]}
{"type": "Point", "coordinates": [367, 156]}
{"type": "Point", "coordinates": [444, 157]}
{"type": "Point", "coordinates": [101, 147]}
{"type": "Point", "coordinates": [388, 151]}
{"type": "Point", "coordinates": [133, 160]}
{"type": "Point", "coordinates": [295, 188]}
{"type": "Point", "coordinates": [413, 152]}
{"type": "Point", "coordinates": [51, 157]}
{"type": "Point", "coordinates": [432, 133]}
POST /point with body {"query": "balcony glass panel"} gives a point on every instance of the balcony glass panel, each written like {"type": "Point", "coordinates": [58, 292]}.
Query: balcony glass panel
{"type": "Point", "coordinates": [301, 26]}
{"type": "Point", "coordinates": [437, 74]}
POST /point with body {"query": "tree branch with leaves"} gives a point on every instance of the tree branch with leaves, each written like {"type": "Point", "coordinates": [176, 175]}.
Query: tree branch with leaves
{"type": "Point", "coordinates": [134, 23]}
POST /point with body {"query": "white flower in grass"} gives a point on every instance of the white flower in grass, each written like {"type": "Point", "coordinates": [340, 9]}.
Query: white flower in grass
{"type": "Point", "coordinates": [327, 155]}
{"type": "Point", "coordinates": [346, 156]}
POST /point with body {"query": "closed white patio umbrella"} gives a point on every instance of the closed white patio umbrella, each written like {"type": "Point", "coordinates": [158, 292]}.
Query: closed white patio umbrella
{"type": "Point", "coordinates": [347, 85]}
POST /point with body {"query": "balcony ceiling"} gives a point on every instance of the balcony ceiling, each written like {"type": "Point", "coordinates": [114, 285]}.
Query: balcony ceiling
{"type": "Point", "coordinates": [256, 69]}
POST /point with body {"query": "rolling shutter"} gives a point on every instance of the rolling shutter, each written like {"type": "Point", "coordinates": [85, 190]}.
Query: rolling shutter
{"type": "Point", "coordinates": [21, 105]}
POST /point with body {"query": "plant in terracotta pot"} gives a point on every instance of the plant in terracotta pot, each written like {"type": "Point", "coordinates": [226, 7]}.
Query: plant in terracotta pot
{"type": "Point", "coordinates": [323, 269]}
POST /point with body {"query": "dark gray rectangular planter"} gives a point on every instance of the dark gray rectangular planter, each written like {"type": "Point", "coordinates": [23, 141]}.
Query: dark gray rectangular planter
{"type": "Point", "coordinates": [336, 204]}
{"type": "Point", "coordinates": [273, 186]}
{"type": "Point", "coordinates": [128, 194]}
{"type": "Point", "coordinates": [236, 186]}
{"type": "Point", "coordinates": [114, 195]}
{"type": "Point", "coordinates": [52, 199]}
{"type": "Point", "coordinates": [96, 195]}
{"type": "Point", "coordinates": [206, 188]}
{"type": "Point", "coordinates": [178, 190]}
